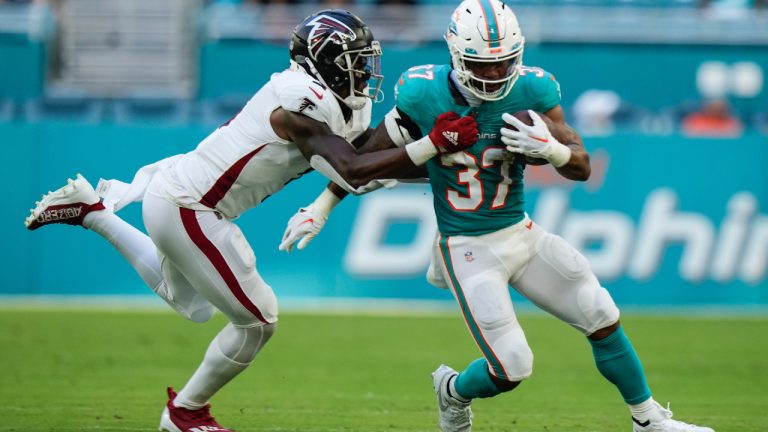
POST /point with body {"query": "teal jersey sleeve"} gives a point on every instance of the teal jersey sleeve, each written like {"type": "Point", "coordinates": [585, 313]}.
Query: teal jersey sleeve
{"type": "Point", "coordinates": [541, 88]}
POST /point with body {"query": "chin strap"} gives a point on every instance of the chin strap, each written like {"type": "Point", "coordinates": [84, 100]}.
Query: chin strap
{"type": "Point", "coordinates": [353, 102]}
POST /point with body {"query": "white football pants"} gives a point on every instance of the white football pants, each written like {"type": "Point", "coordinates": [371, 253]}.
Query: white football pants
{"type": "Point", "coordinates": [202, 254]}
{"type": "Point", "coordinates": [541, 266]}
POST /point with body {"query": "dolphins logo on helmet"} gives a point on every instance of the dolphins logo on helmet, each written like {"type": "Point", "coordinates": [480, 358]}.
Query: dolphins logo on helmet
{"type": "Point", "coordinates": [485, 31]}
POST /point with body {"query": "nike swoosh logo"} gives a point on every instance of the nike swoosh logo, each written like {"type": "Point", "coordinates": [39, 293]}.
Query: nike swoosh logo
{"type": "Point", "coordinates": [319, 95]}
{"type": "Point", "coordinates": [529, 225]}
{"type": "Point", "coordinates": [643, 424]}
{"type": "Point", "coordinates": [539, 138]}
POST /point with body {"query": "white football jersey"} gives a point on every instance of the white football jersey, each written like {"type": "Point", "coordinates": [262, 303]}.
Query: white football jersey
{"type": "Point", "coordinates": [244, 161]}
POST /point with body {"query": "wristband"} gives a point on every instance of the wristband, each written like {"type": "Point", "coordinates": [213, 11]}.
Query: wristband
{"type": "Point", "coordinates": [325, 202]}
{"type": "Point", "coordinates": [561, 155]}
{"type": "Point", "coordinates": [420, 151]}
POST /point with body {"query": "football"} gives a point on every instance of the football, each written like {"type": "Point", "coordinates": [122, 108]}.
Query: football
{"type": "Point", "coordinates": [557, 131]}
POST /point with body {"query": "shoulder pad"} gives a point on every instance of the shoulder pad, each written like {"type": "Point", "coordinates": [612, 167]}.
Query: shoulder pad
{"type": "Point", "coordinates": [413, 84]}
{"type": "Point", "coordinates": [300, 93]}
{"type": "Point", "coordinates": [541, 86]}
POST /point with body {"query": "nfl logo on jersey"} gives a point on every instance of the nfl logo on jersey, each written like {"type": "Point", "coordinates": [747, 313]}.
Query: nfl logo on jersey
{"type": "Point", "coordinates": [468, 256]}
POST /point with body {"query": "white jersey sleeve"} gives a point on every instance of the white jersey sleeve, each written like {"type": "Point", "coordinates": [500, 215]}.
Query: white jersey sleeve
{"type": "Point", "coordinates": [244, 161]}
{"type": "Point", "coordinates": [302, 94]}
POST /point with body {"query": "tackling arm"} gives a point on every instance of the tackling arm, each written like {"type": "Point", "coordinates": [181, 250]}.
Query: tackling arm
{"type": "Point", "coordinates": [371, 141]}
{"type": "Point", "coordinates": [339, 161]}
{"type": "Point", "coordinates": [349, 170]}
{"type": "Point", "coordinates": [380, 139]}
{"type": "Point", "coordinates": [314, 138]}
{"type": "Point", "coordinates": [334, 156]}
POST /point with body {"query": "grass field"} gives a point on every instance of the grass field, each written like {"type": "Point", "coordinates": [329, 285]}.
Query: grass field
{"type": "Point", "coordinates": [88, 370]}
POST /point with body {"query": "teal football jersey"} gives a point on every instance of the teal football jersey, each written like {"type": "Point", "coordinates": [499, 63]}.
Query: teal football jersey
{"type": "Point", "coordinates": [479, 190]}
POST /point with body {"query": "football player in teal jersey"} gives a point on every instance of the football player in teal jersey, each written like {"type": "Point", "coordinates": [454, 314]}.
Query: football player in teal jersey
{"type": "Point", "coordinates": [486, 241]}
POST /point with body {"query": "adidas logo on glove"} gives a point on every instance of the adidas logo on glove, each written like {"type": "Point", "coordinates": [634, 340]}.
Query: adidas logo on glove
{"type": "Point", "coordinates": [451, 136]}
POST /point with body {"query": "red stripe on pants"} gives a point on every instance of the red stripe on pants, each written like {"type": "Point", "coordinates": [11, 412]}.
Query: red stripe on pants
{"type": "Point", "coordinates": [189, 219]}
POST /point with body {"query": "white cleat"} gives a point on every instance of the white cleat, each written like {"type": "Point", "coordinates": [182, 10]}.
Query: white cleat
{"type": "Point", "coordinates": [454, 415]}
{"type": "Point", "coordinates": [661, 421]}
{"type": "Point", "coordinates": [67, 205]}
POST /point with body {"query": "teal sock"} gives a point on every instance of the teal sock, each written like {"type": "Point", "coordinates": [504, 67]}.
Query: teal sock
{"type": "Point", "coordinates": [617, 360]}
{"type": "Point", "coordinates": [475, 382]}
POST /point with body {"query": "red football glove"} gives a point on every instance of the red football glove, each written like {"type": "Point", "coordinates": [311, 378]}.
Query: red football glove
{"type": "Point", "coordinates": [452, 133]}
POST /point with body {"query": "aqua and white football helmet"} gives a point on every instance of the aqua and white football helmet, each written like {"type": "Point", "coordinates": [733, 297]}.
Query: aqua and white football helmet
{"type": "Point", "coordinates": [485, 31]}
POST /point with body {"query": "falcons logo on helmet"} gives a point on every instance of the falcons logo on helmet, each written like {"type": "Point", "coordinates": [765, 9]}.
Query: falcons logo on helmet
{"type": "Point", "coordinates": [327, 29]}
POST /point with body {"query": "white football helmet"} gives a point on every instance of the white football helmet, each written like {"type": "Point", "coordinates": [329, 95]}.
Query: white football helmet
{"type": "Point", "coordinates": [485, 31]}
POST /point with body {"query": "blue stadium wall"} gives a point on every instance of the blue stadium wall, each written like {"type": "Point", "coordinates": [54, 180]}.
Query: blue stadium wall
{"type": "Point", "coordinates": [664, 220]}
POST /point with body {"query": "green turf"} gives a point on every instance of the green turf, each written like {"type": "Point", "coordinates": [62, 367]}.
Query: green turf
{"type": "Point", "coordinates": [88, 370]}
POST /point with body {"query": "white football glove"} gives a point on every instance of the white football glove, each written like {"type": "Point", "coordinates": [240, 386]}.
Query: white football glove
{"type": "Point", "coordinates": [308, 221]}
{"type": "Point", "coordinates": [302, 227]}
{"type": "Point", "coordinates": [535, 141]}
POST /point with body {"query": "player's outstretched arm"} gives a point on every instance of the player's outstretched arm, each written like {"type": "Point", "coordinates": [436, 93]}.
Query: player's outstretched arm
{"type": "Point", "coordinates": [309, 220]}
{"type": "Point", "coordinates": [338, 160]}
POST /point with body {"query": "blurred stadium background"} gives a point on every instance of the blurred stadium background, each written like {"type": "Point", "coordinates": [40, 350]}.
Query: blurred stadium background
{"type": "Point", "coordinates": [670, 95]}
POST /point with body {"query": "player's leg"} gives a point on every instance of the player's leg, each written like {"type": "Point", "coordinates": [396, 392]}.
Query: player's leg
{"type": "Point", "coordinates": [79, 201]}
{"type": "Point", "coordinates": [155, 270]}
{"type": "Point", "coordinates": [230, 352]}
{"type": "Point", "coordinates": [477, 275]}
{"type": "Point", "coordinates": [558, 280]}
{"type": "Point", "coordinates": [215, 258]}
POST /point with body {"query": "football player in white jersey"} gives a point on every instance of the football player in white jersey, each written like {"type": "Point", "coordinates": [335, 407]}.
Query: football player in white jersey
{"type": "Point", "coordinates": [195, 257]}
{"type": "Point", "coordinates": [486, 242]}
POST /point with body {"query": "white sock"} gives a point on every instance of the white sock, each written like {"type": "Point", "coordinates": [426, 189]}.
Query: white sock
{"type": "Point", "coordinates": [135, 246]}
{"type": "Point", "coordinates": [646, 410]}
{"type": "Point", "coordinates": [230, 352]}
{"type": "Point", "coordinates": [213, 373]}
{"type": "Point", "coordinates": [452, 391]}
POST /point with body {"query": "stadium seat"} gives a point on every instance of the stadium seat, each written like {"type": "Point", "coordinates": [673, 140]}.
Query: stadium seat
{"type": "Point", "coordinates": [151, 111]}
{"type": "Point", "coordinates": [64, 104]}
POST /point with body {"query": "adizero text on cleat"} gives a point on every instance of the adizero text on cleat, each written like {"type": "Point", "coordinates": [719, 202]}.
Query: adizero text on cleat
{"type": "Point", "coordinates": [66, 205]}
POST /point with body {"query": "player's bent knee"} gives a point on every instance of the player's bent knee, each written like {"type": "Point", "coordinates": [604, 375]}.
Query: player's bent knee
{"type": "Point", "coordinates": [241, 344]}
{"type": "Point", "coordinates": [515, 356]}
{"type": "Point", "coordinates": [268, 331]}
{"type": "Point", "coordinates": [600, 310]}
{"type": "Point", "coordinates": [262, 297]}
